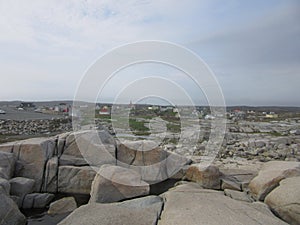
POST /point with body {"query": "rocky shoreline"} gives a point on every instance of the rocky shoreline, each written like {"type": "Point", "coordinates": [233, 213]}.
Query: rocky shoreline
{"type": "Point", "coordinates": [33, 127]}
{"type": "Point", "coordinates": [120, 182]}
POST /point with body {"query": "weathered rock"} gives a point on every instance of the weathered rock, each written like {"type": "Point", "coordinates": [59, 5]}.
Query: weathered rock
{"type": "Point", "coordinates": [189, 204]}
{"type": "Point", "coordinates": [181, 173]}
{"type": "Point", "coordinates": [237, 195]}
{"type": "Point", "coordinates": [70, 147]}
{"type": "Point", "coordinates": [20, 186]}
{"type": "Point", "coordinates": [114, 183]}
{"type": "Point", "coordinates": [152, 162]}
{"type": "Point", "coordinates": [144, 202]}
{"type": "Point", "coordinates": [4, 186]}
{"type": "Point", "coordinates": [64, 205]}
{"type": "Point", "coordinates": [236, 179]}
{"type": "Point", "coordinates": [285, 200]}
{"type": "Point", "coordinates": [207, 177]}
{"type": "Point", "coordinates": [51, 176]}
{"type": "Point", "coordinates": [9, 212]}
{"type": "Point", "coordinates": [7, 147]}
{"type": "Point", "coordinates": [7, 165]}
{"type": "Point", "coordinates": [17, 199]}
{"type": "Point", "coordinates": [97, 147]}
{"type": "Point", "coordinates": [33, 155]}
{"type": "Point", "coordinates": [37, 200]}
{"type": "Point", "coordinates": [143, 211]}
{"type": "Point", "coordinates": [263, 208]}
{"type": "Point", "coordinates": [61, 141]}
{"type": "Point", "coordinates": [151, 203]}
{"type": "Point", "coordinates": [270, 175]}
{"type": "Point", "coordinates": [77, 180]}
{"type": "Point", "coordinates": [69, 160]}
{"type": "Point", "coordinates": [140, 153]}
{"type": "Point", "coordinates": [230, 184]}
{"type": "Point", "coordinates": [296, 132]}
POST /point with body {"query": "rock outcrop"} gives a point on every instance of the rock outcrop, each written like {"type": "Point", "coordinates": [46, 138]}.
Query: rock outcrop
{"type": "Point", "coordinates": [151, 161]}
{"type": "Point", "coordinates": [285, 200]}
{"type": "Point", "coordinates": [143, 211]}
{"type": "Point", "coordinates": [189, 204]}
{"type": "Point", "coordinates": [21, 186]}
{"type": "Point", "coordinates": [32, 156]}
{"type": "Point", "coordinates": [9, 212]}
{"type": "Point", "coordinates": [37, 200]}
{"type": "Point", "coordinates": [64, 205]}
{"type": "Point", "coordinates": [114, 183]}
{"type": "Point", "coordinates": [236, 179]}
{"type": "Point", "coordinates": [56, 164]}
{"type": "Point", "coordinates": [238, 195]}
{"type": "Point", "coordinates": [92, 163]}
{"type": "Point", "coordinates": [207, 177]}
{"type": "Point", "coordinates": [270, 175]}
{"type": "Point", "coordinates": [4, 186]}
{"type": "Point", "coordinates": [97, 147]}
{"type": "Point", "coordinates": [75, 180]}
{"type": "Point", "coordinates": [7, 165]}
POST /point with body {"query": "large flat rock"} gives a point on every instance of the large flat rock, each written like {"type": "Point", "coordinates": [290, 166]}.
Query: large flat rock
{"type": "Point", "coordinates": [270, 175]}
{"type": "Point", "coordinates": [143, 211]}
{"type": "Point", "coordinates": [285, 200]}
{"type": "Point", "coordinates": [189, 204]}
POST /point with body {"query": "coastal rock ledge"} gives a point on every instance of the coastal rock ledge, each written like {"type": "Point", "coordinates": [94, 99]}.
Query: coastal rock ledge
{"type": "Point", "coordinates": [41, 172]}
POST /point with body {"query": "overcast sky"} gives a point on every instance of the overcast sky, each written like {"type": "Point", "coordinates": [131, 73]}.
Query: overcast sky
{"type": "Point", "coordinates": [253, 47]}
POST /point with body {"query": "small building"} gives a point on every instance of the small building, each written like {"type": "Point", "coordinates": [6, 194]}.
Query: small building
{"type": "Point", "coordinates": [27, 105]}
{"type": "Point", "coordinates": [153, 107]}
{"type": "Point", "coordinates": [131, 105]}
{"type": "Point", "coordinates": [97, 107]}
{"type": "Point", "coordinates": [56, 108]}
{"type": "Point", "coordinates": [271, 115]}
{"type": "Point", "coordinates": [166, 108]}
{"type": "Point", "coordinates": [209, 117]}
{"type": "Point", "coordinates": [251, 112]}
{"type": "Point", "coordinates": [175, 110]}
{"type": "Point", "coordinates": [63, 107]}
{"type": "Point", "coordinates": [104, 111]}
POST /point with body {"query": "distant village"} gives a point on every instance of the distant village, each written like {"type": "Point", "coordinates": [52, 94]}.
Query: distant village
{"type": "Point", "coordinates": [61, 108]}
{"type": "Point", "coordinates": [105, 109]}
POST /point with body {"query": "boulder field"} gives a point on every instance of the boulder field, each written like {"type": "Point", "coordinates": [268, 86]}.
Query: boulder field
{"type": "Point", "coordinates": [118, 178]}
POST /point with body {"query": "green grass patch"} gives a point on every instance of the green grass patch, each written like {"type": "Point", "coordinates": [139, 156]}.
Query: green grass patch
{"type": "Point", "coordinates": [138, 127]}
{"type": "Point", "coordinates": [174, 128]}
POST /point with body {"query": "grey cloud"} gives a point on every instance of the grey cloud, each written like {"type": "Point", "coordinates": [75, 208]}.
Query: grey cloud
{"type": "Point", "coordinates": [274, 39]}
{"type": "Point", "coordinates": [257, 63]}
